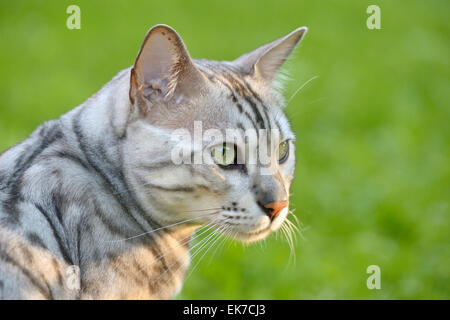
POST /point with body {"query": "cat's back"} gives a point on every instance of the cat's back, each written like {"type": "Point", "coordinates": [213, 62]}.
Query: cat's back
{"type": "Point", "coordinates": [22, 162]}
{"type": "Point", "coordinates": [28, 180]}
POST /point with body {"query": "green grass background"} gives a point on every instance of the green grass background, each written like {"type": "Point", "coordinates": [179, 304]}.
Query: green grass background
{"type": "Point", "coordinates": [372, 180]}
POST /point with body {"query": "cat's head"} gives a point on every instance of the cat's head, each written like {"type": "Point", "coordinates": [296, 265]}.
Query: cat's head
{"type": "Point", "coordinates": [196, 141]}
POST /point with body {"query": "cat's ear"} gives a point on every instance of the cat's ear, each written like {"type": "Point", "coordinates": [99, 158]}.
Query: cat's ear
{"type": "Point", "coordinates": [163, 66]}
{"type": "Point", "coordinates": [264, 62]}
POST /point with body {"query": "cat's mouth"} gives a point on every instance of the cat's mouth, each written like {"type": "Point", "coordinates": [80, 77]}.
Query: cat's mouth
{"type": "Point", "coordinates": [255, 231]}
{"type": "Point", "coordinates": [250, 236]}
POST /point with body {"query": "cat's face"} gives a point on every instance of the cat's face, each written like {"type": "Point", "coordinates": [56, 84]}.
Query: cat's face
{"type": "Point", "coordinates": [210, 143]}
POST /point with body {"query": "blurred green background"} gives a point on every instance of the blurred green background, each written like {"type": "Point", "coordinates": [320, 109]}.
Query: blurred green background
{"type": "Point", "coordinates": [372, 180]}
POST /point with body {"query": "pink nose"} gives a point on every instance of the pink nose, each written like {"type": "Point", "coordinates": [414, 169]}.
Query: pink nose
{"type": "Point", "coordinates": [274, 208]}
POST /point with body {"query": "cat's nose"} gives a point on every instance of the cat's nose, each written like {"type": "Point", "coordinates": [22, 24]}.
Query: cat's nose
{"type": "Point", "coordinates": [274, 208]}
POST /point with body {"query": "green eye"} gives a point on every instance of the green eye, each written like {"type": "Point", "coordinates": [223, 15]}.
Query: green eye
{"type": "Point", "coordinates": [224, 155]}
{"type": "Point", "coordinates": [283, 151]}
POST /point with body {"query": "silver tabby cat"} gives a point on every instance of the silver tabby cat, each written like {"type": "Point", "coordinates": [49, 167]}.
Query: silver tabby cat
{"type": "Point", "coordinates": [92, 205]}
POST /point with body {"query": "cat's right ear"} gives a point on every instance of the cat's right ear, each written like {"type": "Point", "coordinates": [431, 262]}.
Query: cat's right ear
{"type": "Point", "coordinates": [264, 62]}
{"type": "Point", "coordinates": [163, 67]}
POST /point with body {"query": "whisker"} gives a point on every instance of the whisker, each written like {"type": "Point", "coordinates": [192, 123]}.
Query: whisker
{"type": "Point", "coordinates": [300, 88]}
{"type": "Point", "coordinates": [220, 245]}
{"type": "Point", "coordinates": [203, 241]}
{"type": "Point", "coordinates": [210, 246]}
{"type": "Point", "coordinates": [291, 212]}
{"type": "Point", "coordinates": [293, 227]}
{"type": "Point", "coordinates": [198, 234]}
{"type": "Point", "coordinates": [165, 227]}
{"type": "Point", "coordinates": [288, 237]}
{"type": "Point", "coordinates": [296, 225]}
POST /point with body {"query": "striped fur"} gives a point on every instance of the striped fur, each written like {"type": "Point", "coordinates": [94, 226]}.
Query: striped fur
{"type": "Point", "coordinates": [96, 191]}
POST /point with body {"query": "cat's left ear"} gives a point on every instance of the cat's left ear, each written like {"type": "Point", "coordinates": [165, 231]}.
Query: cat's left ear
{"type": "Point", "coordinates": [264, 62]}
{"type": "Point", "coordinates": [163, 67]}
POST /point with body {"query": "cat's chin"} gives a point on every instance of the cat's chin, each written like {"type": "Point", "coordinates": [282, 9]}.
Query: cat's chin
{"type": "Point", "coordinates": [250, 236]}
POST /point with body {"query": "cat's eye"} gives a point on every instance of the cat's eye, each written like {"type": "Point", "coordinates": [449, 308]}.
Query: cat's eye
{"type": "Point", "coordinates": [224, 155]}
{"type": "Point", "coordinates": [283, 151]}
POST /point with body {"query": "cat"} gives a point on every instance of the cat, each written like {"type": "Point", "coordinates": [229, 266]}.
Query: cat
{"type": "Point", "coordinates": [92, 205]}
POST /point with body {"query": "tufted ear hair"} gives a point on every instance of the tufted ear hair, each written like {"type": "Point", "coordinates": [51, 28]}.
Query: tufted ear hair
{"type": "Point", "coordinates": [163, 67]}
{"type": "Point", "coordinates": [264, 62]}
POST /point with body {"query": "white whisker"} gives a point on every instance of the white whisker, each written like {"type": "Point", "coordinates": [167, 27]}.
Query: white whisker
{"type": "Point", "coordinates": [203, 241]}
{"type": "Point", "coordinates": [220, 235]}
{"type": "Point", "coordinates": [300, 88]}
{"type": "Point", "coordinates": [206, 228]}
{"type": "Point", "coordinates": [162, 228]}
